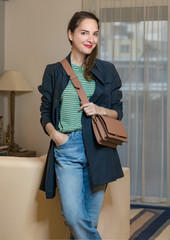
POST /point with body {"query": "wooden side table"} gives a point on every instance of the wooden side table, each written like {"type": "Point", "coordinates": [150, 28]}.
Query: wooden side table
{"type": "Point", "coordinates": [22, 154]}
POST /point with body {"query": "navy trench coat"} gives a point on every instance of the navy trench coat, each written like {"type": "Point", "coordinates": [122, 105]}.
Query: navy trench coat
{"type": "Point", "coordinates": [104, 162]}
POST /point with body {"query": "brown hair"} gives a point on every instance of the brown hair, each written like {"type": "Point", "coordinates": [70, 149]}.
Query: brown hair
{"type": "Point", "coordinates": [75, 21]}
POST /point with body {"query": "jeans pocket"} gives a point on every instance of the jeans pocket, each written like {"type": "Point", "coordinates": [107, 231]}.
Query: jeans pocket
{"type": "Point", "coordinates": [63, 144]}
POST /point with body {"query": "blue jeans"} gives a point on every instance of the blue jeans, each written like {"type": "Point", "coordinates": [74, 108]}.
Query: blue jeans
{"type": "Point", "coordinates": [80, 203]}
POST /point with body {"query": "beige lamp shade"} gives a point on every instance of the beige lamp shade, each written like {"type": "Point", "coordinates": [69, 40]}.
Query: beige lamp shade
{"type": "Point", "coordinates": [14, 81]}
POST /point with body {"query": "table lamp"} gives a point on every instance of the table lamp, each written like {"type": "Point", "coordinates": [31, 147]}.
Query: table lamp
{"type": "Point", "coordinates": [13, 81]}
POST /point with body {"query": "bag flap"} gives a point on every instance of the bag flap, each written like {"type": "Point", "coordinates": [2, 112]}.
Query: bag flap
{"type": "Point", "coordinates": [113, 126]}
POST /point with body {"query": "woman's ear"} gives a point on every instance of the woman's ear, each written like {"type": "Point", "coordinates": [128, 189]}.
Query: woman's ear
{"type": "Point", "coordinates": [70, 35]}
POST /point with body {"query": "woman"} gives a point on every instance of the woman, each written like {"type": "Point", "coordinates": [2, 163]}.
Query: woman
{"type": "Point", "coordinates": [76, 163]}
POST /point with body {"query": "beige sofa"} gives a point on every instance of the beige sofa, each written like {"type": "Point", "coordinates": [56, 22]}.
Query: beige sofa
{"type": "Point", "coordinates": [25, 214]}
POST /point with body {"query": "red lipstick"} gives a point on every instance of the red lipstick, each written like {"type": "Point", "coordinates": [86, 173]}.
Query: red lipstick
{"type": "Point", "coordinates": [89, 46]}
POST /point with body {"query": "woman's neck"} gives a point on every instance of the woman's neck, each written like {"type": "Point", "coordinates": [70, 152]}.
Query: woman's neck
{"type": "Point", "coordinates": [77, 59]}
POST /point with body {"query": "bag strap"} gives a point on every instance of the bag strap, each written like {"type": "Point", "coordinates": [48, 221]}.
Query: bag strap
{"type": "Point", "coordinates": [75, 81]}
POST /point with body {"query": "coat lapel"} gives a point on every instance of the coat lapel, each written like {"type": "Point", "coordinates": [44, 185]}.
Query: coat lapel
{"type": "Point", "coordinates": [99, 83]}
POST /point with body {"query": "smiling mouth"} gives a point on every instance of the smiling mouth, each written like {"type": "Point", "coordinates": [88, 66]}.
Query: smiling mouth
{"type": "Point", "coordinates": [88, 46]}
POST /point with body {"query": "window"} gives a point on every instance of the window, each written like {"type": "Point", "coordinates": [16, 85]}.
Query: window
{"type": "Point", "coordinates": [124, 48]}
{"type": "Point", "coordinates": [135, 40]}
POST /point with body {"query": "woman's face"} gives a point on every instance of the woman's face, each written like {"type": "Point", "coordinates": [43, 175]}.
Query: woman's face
{"type": "Point", "coordinates": [85, 37]}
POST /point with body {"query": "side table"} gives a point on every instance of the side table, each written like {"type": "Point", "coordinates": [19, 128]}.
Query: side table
{"type": "Point", "coordinates": [27, 153]}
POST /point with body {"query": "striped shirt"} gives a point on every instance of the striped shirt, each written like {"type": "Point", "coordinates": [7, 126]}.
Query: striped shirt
{"type": "Point", "coordinates": [70, 116]}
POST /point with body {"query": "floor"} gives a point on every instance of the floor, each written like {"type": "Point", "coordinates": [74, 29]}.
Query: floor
{"type": "Point", "coordinates": [164, 235]}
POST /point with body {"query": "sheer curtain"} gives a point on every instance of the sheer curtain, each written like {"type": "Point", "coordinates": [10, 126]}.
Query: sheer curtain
{"type": "Point", "coordinates": [134, 36]}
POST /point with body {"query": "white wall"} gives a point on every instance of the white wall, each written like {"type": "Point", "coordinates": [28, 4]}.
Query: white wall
{"type": "Point", "coordinates": [35, 35]}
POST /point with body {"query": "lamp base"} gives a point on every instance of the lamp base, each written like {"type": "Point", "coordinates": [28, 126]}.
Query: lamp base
{"type": "Point", "coordinates": [14, 147]}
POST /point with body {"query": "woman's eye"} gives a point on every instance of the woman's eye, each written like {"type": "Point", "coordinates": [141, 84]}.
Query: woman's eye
{"type": "Point", "coordinates": [96, 34]}
{"type": "Point", "coordinates": [83, 33]}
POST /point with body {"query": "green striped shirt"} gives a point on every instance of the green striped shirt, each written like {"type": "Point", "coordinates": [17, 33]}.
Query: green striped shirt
{"type": "Point", "coordinates": [70, 116]}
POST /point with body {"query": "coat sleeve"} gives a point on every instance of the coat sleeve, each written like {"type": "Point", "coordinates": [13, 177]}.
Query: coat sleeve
{"type": "Point", "coordinates": [116, 94]}
{"type": "Point", "coordinates": [46, 89]}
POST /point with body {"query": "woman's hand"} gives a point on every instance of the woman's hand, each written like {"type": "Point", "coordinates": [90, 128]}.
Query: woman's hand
{"type": "Point", "coordinates": [59, 138]}
{"type": "Point", "coordinates": [92, 109]}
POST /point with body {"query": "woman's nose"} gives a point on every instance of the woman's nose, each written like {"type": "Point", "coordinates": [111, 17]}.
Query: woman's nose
{"type": "Point", "coordinates": [90, 38]}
